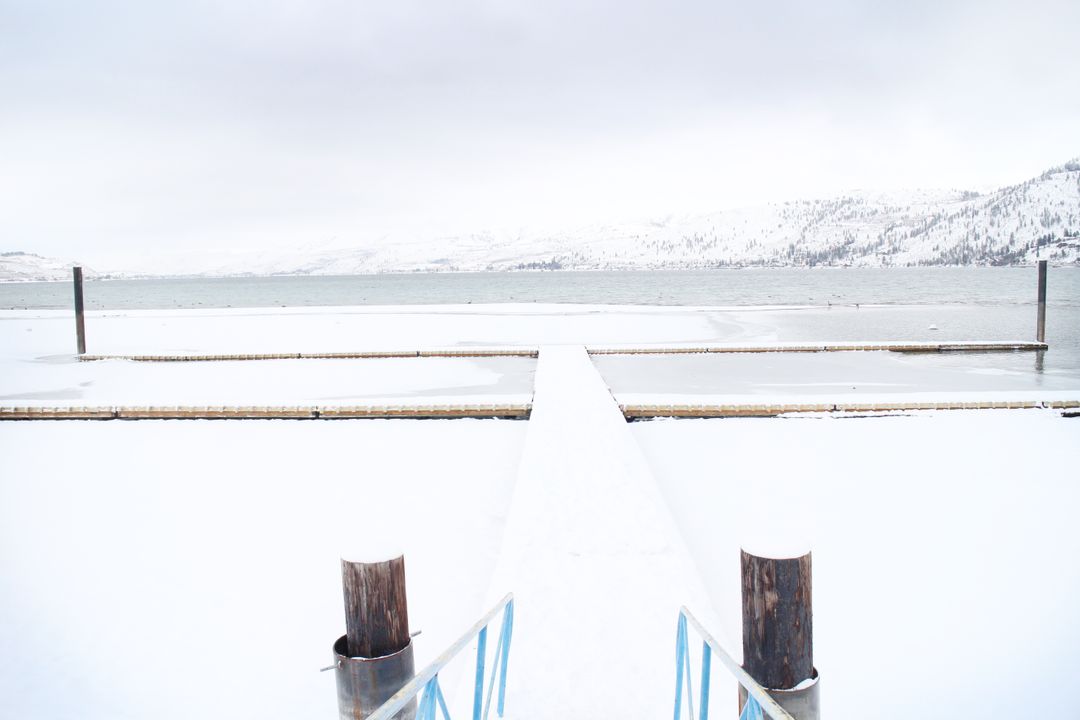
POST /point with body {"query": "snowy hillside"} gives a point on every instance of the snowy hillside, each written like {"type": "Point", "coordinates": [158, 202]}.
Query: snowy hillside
{"type": "Point", "coordinates": [1037, 219]}
{"type": "Point", "coordinates": [1014, 225]}
{"type": "Point", "coordinates": [22, 266]}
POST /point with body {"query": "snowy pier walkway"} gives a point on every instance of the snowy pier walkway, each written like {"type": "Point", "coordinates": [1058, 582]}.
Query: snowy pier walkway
{"type": "Point", "coordinates": [596, 563]}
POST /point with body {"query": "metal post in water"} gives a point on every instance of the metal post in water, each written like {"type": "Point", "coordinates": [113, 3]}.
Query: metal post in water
{"type": "Point", "coordinates": [80, 325]}
{"type": "Point", "coordinates": [1040, 332]}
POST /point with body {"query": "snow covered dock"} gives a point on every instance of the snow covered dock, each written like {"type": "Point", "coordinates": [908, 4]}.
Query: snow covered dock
{"type": "Point", "coordinates": [600, 528]}
{"type": "Point", "coordinates": [595, 560]}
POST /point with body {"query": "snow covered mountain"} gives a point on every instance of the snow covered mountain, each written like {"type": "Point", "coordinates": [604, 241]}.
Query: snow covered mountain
{"type": "Point", "coordinates": [1037, 219]}
{"type": "Point", "coordinates": [1013, 225]}
{"type": "Point", "coordinates": [21, 266]}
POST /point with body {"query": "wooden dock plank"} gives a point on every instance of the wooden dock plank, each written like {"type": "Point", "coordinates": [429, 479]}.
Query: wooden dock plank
{"type": "Point", "coordinates": [735, 410]}
{"type": "Point", "coordinates": [493, 410]}
{"type": "Point", "coordinates": [359, 355]}
{"type": "Point", "coordinates": [901, 347]}
{"type": "Point", "coordinates": [488, 352]}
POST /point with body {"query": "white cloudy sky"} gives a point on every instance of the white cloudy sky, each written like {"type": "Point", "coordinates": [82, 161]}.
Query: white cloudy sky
{"type": "Point", "coordinates": [138, 126]}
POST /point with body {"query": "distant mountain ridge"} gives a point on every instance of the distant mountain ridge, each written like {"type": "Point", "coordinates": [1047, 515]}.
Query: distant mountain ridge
{"type": "Point", "coordinates": [23, 266]}
{"type": "Point", "coordinates": [1036, 219]}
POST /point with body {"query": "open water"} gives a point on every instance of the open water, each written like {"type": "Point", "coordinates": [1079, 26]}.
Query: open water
{"type": "Point", "coordinates": [940, 303]}
{"type": "Point", "coordinates": [764, 286]}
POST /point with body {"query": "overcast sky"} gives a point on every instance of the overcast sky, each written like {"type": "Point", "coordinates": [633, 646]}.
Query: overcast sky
{"type": "Point", "coordinates": [133, 127]}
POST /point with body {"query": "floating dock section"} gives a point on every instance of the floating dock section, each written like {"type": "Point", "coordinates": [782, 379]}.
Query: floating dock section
{"type": "Point", "coordinates": [902, 347]}
{"type": "Point", "coordinates": [513, 411]}
{"type": "Point", "coordinates": [736, 410]}
{"type": "Point", "coordinates": [631, 411]}
{"type": "Point", "coordinates": [533, 352]}
{"type": "Point", "coordinates": [358, 355]}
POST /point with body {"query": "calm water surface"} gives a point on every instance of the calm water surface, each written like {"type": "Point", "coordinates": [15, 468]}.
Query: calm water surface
{"type": "Point", "coordinates": [767, 286]}
{"type": "Point", "coordinates": [971, 303]}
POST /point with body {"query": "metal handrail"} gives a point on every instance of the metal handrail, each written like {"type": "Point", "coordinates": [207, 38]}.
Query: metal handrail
{"type": "Point", "coordinates": [427, 678]}
{"type": "Point", "coordinates": [753, 688]}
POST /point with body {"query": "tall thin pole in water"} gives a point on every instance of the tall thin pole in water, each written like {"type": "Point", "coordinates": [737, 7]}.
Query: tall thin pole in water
{"type": "Point", "coordinates": [1040, 332]}
{"type": "Point", "coordinates": [80, 325]}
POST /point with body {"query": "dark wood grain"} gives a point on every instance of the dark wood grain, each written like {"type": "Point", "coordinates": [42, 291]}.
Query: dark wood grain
{"type": "Point", "coordinates": [777, 619]}
{"type": "Point", "coordinates": [376, 611]}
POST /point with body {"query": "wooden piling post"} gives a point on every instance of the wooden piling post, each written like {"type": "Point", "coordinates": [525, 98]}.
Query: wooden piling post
{"type": "Point", "coordinates": [777, 618]}
{"type": "Point", "coordinates": [376, 612]}
{"type": "Point", "coordinates": [374, 658]}
{"type": "Point", "coordinates": [1040, 332]}
{"type": "Point", "coordinates": [80, 325]}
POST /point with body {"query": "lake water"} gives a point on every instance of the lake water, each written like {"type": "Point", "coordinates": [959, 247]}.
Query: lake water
{"type": "Point", "coordinates": [969, 303]}
{"type": "Point", "coordinates": [765, 286]}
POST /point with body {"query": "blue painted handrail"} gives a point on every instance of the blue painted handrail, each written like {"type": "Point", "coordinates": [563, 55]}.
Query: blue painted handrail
{"type": "Point", "coordinates": [757, 699]}
{"type": "Point", "coordinates": [427, 679]}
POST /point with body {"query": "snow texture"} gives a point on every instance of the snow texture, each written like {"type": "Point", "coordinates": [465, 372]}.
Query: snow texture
{"type": "Point", "coordinates": [181, 569]}
{"type": "Point", "coordinates": [832, 377]}
{"type": "Point", "coordinates": [191, 568]}
{"type": "Point", "coordinates": [1036, 219]}
{"type": "Point", "coordinates": [944, 548]}
{"type": "Point", "coordinates": [597, 564]}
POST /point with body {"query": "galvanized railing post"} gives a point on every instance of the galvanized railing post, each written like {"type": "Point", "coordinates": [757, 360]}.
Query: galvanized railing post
{"type": "Point", "coordinates": [427, 700]}
{"type": "Point", "coordinates": [706, 669]}
{"type": "Point", "coordinates": [427, 681]}
{"type": "Point", "coordinates": [507, 632]}
{"type": "Point", "coordinates": [758, 699]}
{"type": "Point", "coordinates": [680, 650]}
{"type": "Point", "coordinates": [478, 691]}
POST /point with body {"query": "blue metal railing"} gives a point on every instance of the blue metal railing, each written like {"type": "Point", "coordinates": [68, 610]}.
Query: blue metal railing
{"type": "Point", "coordinates": [757, 700]}
{"type": "Point", "coordinates": [428, 678]}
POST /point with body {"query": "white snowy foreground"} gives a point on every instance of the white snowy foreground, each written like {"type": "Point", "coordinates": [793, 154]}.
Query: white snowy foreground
{"type": "Point", "coordinates": [190, 569]}
{"type": "Point", "coordinates": [179, 569]}
{"type": "Point", "coordinates": [944, 548]}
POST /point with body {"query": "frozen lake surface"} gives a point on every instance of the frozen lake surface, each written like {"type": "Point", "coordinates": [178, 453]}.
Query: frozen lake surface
{"type": "Point", "coordinates": [272, 382]}
{"type": "Point", "coordinates": [37, 365]}
{"type": "Point", "coordinates": [834, 374]}
{"type": "Point", "coordinates": [183, 540]}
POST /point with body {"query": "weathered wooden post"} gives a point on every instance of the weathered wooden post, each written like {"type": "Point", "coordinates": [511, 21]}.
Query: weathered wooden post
{"type": "Point", "coordinates": [778, 631]}
{"type": "Point", "coordinates": [1040, 332]}
{"type": "Point", "coordinates": [80, 325]}
{"type": "Point", "coordinates": [374, 658]}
